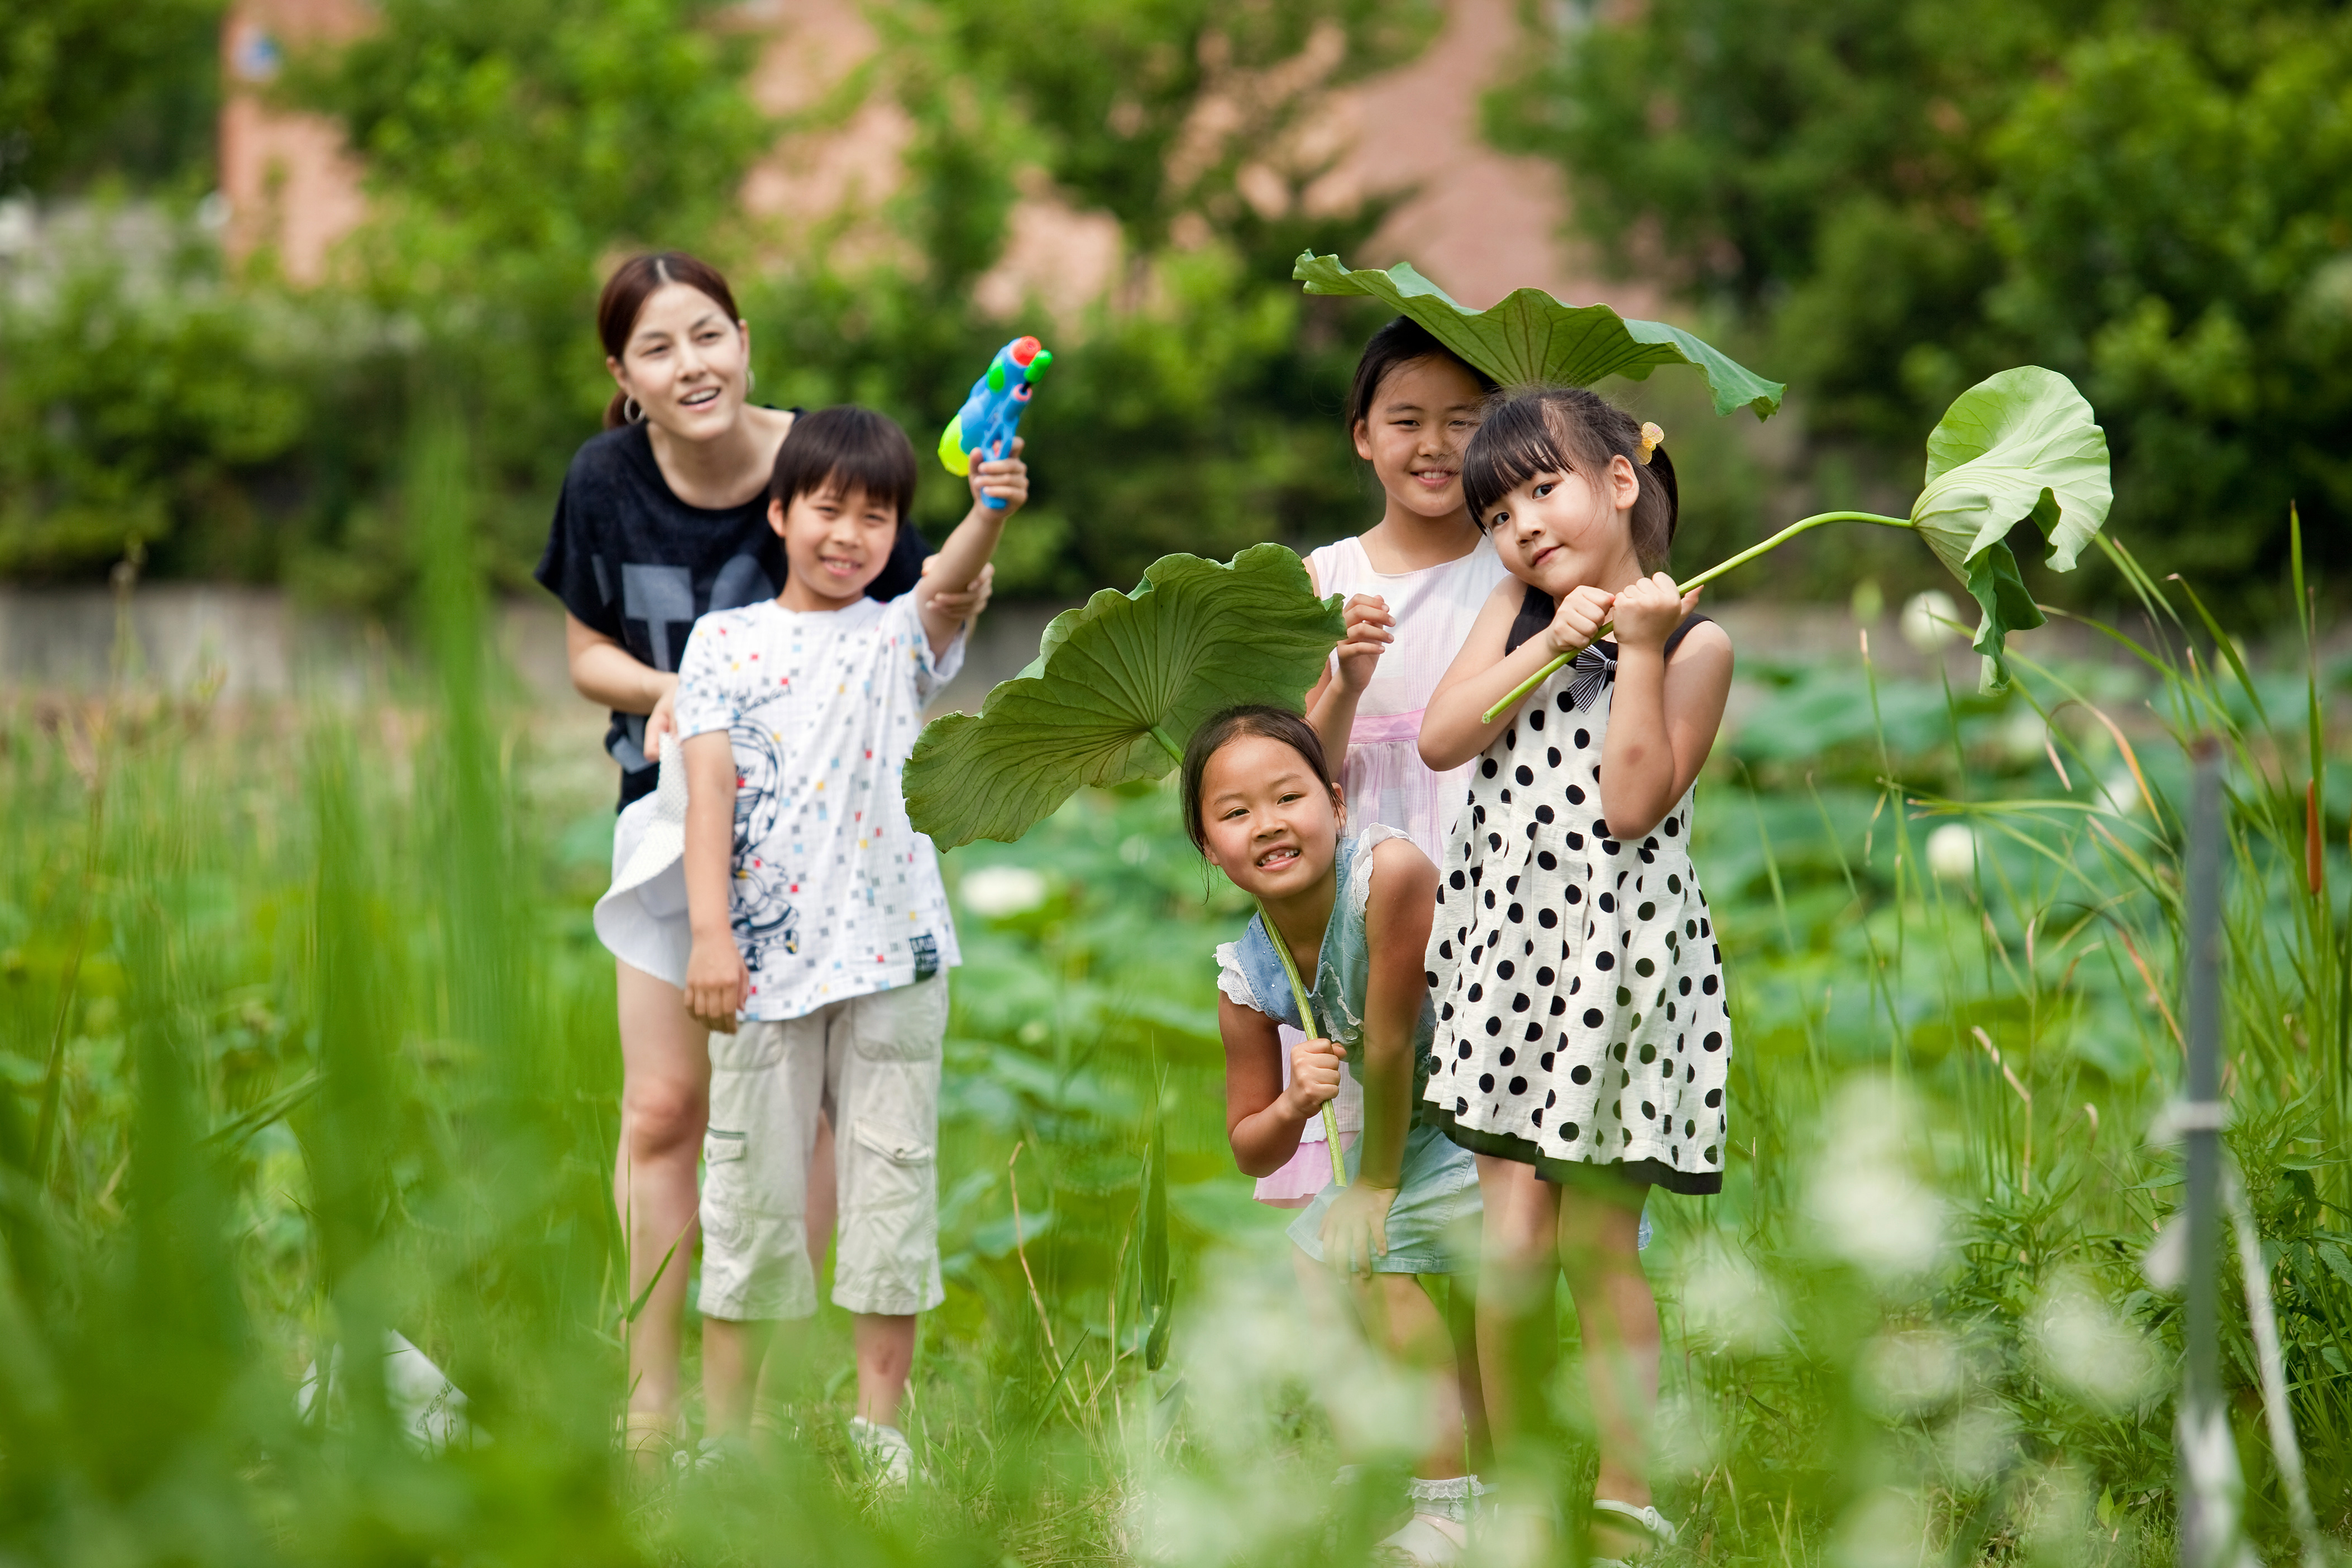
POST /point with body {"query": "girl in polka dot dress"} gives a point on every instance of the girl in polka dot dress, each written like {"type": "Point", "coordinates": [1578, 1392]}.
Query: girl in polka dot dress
{"type": "Point", "coordinates": [1582, 1040]}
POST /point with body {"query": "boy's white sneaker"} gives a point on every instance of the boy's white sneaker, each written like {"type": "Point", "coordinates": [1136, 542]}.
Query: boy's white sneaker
{"type": "Point", "coordinates": [883, 1454]}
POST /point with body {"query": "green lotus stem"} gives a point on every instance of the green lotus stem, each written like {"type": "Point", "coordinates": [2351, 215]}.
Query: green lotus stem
{"type": "Point", "coordinates": [1306, 1021]}
{"type": "Point", "coordinates": [1297, 990]}
{"type": "Point", "coordinates": [1709, 575]}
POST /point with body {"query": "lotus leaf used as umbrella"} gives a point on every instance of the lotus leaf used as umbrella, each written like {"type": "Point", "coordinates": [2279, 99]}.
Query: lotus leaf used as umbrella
{"type": "Point", "coordinates": [1118, 685]}
{"type": "Point", "coordinates": [1532, 337]}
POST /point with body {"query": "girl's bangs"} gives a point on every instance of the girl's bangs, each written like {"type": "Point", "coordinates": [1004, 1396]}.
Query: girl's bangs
{"type": "Point", "coordinates": [1515, 444]}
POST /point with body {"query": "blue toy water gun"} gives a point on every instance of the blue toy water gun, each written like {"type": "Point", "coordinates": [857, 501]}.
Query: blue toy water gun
{"type": "Point", "coordinates": [989, 416]}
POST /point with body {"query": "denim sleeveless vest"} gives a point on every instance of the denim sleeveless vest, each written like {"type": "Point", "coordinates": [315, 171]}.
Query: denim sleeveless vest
{"type": "Point", "coordinates": [1342, 966]}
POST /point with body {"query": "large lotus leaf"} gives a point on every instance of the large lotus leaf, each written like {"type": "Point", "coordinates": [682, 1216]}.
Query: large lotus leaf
{"type": "Point", "coordinates": [2019, 445]}
{"type": "Point", "coordinates": [1118, 685]}
{"type": "Point", "coordinates": [1532, 337]}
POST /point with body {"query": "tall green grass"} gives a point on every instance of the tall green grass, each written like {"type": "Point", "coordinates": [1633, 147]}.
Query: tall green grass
{"type": "Point", "coordinates": [306, 1040]}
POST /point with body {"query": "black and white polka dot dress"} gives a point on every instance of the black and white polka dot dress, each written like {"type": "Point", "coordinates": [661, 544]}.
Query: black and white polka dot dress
{"type": "Point", "coordinates": [1581, 1017]}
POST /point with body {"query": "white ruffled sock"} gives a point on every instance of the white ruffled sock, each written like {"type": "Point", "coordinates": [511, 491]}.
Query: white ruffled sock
{"type": "Point", "coordinates": [1455, 1498]}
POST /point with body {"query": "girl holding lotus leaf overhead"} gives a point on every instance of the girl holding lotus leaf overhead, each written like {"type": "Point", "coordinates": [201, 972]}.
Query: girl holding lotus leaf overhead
{"type": "Point", "coordinates": [1413, 583]}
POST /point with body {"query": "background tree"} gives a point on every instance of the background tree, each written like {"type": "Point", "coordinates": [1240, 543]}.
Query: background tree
{"type": "Point", "coordinates": [1898, 198]}
{"type": "Point", "coordinates": [1203, 412]}
{"type": "Point", "coordinates": [90, 89]}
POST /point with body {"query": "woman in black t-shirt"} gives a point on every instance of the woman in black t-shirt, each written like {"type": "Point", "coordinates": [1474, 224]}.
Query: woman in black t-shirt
{"type": "Point", "coordinates": [662, 519]}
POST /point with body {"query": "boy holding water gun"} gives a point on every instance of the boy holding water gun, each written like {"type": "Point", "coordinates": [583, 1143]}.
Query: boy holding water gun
{"type": "Point", "coordinates": [821, 930]}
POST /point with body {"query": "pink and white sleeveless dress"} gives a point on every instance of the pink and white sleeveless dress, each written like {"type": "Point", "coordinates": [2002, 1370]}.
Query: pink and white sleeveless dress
{"type": "Point", "coordinates": [1383, 775]}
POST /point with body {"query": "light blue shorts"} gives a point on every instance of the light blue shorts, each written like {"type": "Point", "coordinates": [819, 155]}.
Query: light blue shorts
{"type": "Point", "coordinates": [1432, 1226]}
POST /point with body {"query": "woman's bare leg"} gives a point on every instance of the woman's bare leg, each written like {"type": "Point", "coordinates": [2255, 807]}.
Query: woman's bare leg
{"type": "Point", "coordinates": [1600, 1253]}
{"type": "Point", "coordinates": [664, 1103]}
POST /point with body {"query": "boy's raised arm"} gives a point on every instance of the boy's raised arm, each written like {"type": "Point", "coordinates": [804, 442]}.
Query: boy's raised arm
{"type": "Point", "coordinates": [968, 549]}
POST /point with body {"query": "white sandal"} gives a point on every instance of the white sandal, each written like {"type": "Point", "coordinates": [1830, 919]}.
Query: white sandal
{"type": "Point", "coordinates": [1426, 1540]}
{"type": "Point", "coordinates": [1645, 1519]}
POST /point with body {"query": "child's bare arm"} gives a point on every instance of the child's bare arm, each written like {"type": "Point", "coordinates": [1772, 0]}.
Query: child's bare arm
{"type": "Point", "coordinates": [968, 549]}
{"type": "Point", "coordinates": [717, 984]}
{"type": "Point", "coordinates": [1331, 705]}
{"type": "Point", "coordinates": [1662, 717]}
{"type": "Point", "coordinates": [1481, 674]}
{"type": "Point", "coordinates": [1262, 1118]}
{"type": "Point", "coordinates": [1396, 927]}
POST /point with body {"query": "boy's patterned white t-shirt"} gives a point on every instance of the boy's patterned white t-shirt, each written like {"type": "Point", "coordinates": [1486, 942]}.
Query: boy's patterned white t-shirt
{"type": "Point", "coordinates": [836, 894]}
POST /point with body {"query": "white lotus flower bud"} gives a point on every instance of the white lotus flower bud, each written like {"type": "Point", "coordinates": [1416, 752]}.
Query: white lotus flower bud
{"type": "Point", "coordinates": [1952, 852]}
{"type": "Point", "coordinates": [1931, 621]}
{"type": "Point", "coordinates": [995, 892]}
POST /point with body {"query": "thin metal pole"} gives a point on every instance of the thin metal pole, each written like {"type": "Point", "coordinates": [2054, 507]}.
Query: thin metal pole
{"type": "Point", "coordinates": [2208, 1512]}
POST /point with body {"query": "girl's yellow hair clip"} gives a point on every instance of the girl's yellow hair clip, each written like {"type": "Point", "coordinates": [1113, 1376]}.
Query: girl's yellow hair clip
{"type": "Point", "coordinates": [1652, 436]}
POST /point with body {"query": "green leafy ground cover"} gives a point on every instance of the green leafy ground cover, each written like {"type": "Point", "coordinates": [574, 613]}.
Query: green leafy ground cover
{"type": "Point", "coordinates": [307, 1035]}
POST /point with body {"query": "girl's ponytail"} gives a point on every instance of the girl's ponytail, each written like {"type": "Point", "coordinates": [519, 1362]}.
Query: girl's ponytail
{"type": "Point", "coordinates": [1572, 429]}
{"type": "Point", "coordinates": [1658, 476]}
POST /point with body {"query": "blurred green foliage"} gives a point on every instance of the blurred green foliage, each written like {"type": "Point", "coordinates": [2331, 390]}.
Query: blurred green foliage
{"type": "Point", "coordinates": [92, 90]}
{"type": "Point", "coordinates": [512, 151]}
{"type": "Point", "coordinates": [1898, 198]}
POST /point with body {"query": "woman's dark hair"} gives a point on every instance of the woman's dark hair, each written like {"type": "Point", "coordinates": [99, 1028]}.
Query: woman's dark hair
{"type": "Point", "coordinates": [1398, 344]}
{"type": "Point", "coordinates": [1219, 730]}
{"type": "Point", "coordinates": [1570, 430]}
{"type": "Point", "coordinates": [846, 447]}
{"type": "Point", "coordinates": [634, 282]}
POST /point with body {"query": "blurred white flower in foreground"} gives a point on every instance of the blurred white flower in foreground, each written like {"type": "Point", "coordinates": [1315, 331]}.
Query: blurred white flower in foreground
{"type": "Point", "coordinates": [1229, 1484]}
{"type": "Point", "coordinates": [1691, 1436]}
{"type": "Point", "coordinates": [2084, 1346]}
{"type": "Point", "coordinates": [1727, 1304]}
{"type": "Point", "coordinates": [1952, 852]}
{"type": "Point", "coordinates": [1930, 620]}
{"type": "Point", "coordinates": [1884, 1529]}
{"type": "Point", "coordinates": [995, 892]}
{"type": "Point", "coordinates": [1867, 1204]}
{"type": "Point", "coordinates": [1979, 1443]}
{"type": "Point", "coordinates": [1907, 1374]}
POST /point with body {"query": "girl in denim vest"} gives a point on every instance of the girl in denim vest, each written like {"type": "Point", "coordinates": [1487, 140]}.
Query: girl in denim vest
{"type": "Point", "coordinates": [1354, 913]}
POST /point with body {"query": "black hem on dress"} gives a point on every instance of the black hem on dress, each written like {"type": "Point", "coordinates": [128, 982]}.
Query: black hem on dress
{"type": "Point", "coordinates": [1504, 1145]}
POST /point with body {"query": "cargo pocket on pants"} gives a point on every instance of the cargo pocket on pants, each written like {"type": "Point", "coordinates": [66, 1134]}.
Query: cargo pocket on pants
{"type": "Point", "coordinates": [724, 1223]}
{"type": "Point", "coordinates": [898, 1165]}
